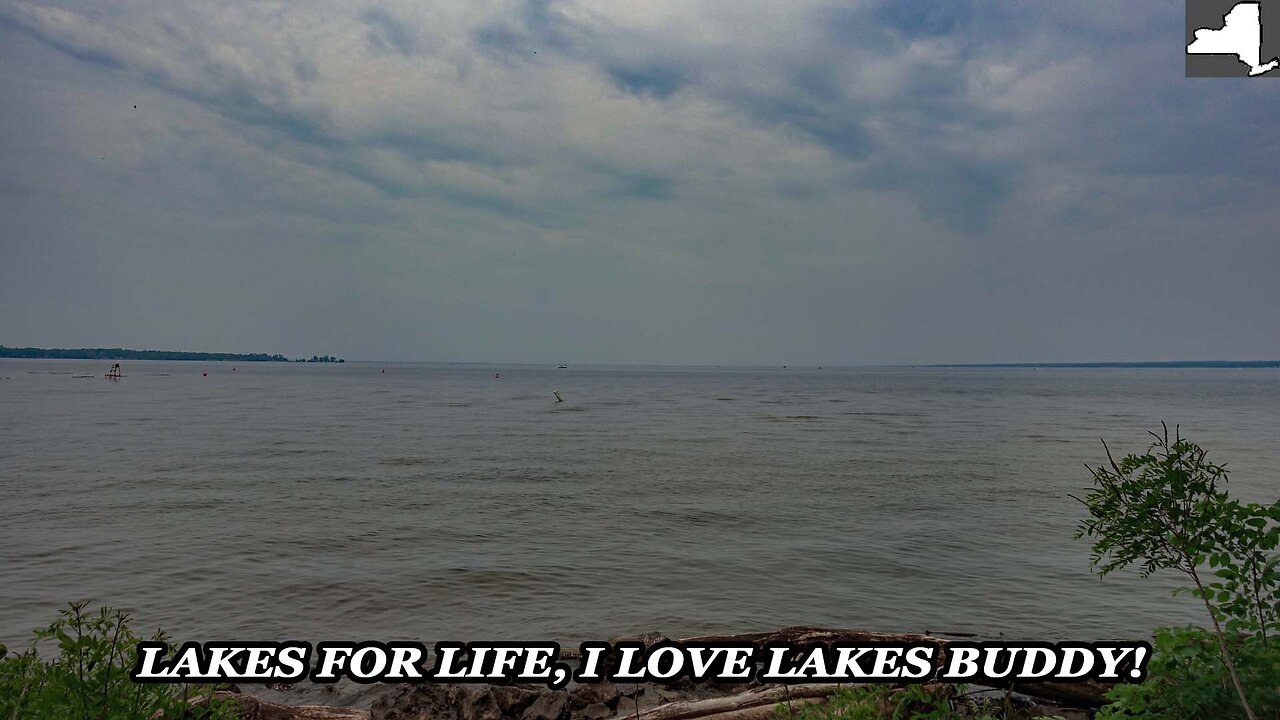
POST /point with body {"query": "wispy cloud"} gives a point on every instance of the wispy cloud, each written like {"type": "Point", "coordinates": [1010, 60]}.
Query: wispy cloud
{"type": "Point", "coordinates": [856, 155]}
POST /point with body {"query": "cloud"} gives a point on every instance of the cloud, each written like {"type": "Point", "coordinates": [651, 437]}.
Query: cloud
{"type": "Point", "coordinates": [839, 155]}
{"type": "Point", "coordinates": [658, 81]}
{"type": "Point", "coordinates": [904, 96]}
{"type": "Point", "coordinates": [881, 90]}
{"type": "Point", "coordinates": [387, 33]}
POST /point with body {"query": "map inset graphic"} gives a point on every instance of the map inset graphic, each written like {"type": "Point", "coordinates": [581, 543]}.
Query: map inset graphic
{"type": "Point", "coordinates": [1225, 39]}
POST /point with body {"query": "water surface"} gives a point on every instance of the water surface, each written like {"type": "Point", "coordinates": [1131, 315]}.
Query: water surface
{"type": "Point", "coordinates": [439, 502]}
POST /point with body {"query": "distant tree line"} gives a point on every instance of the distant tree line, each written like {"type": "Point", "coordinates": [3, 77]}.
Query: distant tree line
{"type": "Point", "coordinates": [123, 354]}
{"type": "Point", "coordinates": [1224, 364]}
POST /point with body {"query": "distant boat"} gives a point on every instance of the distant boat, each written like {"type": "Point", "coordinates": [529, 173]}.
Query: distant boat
{"type": "Point", "coordinates": [562, 367]}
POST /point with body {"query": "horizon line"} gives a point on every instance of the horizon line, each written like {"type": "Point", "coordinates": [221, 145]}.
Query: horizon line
{"type": "Point", "coordinates": [1201, 363]}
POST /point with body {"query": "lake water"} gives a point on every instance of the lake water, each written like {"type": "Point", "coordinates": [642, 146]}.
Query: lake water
{"type": "Point", "coordinates": [435, 502]}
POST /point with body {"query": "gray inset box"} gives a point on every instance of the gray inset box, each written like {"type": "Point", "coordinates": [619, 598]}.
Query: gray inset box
{"type": "Point", "coordinates": [1211, 14]}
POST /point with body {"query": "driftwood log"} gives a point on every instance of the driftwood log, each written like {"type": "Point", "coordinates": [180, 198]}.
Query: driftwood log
{"type": "Point", "coordinates": [251, 708]}
{"type": "Point", "coordinates": [646, 701]}
{"type": "Point", "coordinates": [758, 702]}
{"type": "Point", "coordinates": [1089, 693]}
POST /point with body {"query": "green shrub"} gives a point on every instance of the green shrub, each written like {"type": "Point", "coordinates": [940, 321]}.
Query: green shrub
{"type": "Point", "coordinates": [89, 677]}
{"type": "Point", "coordinates": [1186, 680]}
{"type": "Point", "coordinates": [1168, 509]}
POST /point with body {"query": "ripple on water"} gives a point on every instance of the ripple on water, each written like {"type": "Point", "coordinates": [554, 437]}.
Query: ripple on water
{"type": "Point", "coordinates": [315, 508]}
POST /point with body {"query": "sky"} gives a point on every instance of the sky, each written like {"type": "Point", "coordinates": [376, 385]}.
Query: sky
{"type": "Point", "coordinates": [659, 181]}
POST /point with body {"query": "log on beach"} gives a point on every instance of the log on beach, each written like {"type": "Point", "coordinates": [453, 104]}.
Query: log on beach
{"type": "Point", "coordinates": [1088, 693]}
{"type": "Point", "coordinates": [251, 708]}
{"type": "Point", "coordinates": [758, 702]}
{"type": "Point", "coordinates": [683, 700]}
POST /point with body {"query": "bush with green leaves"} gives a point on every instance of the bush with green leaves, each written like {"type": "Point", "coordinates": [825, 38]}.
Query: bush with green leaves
{"type": "Point", "coordinates": [1186, 679]}
{"type": "Point", "coordinates": [88, 679]}
{"type": "Point", "coordinates": [1168, 509]}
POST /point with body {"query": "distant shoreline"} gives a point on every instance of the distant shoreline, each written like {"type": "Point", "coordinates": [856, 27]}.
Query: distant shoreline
{"type": "Point", "coordinates": [127, 354]}
{"type": "Point", "coordinates": [1163, 364]}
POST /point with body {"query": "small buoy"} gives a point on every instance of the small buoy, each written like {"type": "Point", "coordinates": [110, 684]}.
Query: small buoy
{"type": "Point", "coordinates": [557, 394]}
{"type": "Point", "coordinates": [204, 374]}
{"type": "Point", "coordinates": [496, 375]}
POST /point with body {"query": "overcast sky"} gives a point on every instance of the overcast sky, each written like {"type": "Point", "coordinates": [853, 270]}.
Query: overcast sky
{"type": "Point", "coordinates": [657, 181]}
